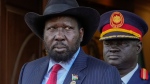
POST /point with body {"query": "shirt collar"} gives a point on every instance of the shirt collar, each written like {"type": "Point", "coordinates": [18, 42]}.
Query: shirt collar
{"type": "Point", "coordinates": [127, 77]}
{"type": "Point", "coordinates": [67, 65]}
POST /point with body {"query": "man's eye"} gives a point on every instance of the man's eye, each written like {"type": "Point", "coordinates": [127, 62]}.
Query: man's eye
{"type": "Point", "coordinates": [106, 43]}
{"type": "Point", "coordinates": [50, 28]}
{"type": "Point", "coordinates": [67, 28]}
{"type": "Point", "coordinates": [125, 43]}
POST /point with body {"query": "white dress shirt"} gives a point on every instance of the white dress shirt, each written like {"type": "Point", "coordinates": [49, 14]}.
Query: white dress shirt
{"type": "Point", "coordinates": [127, 77]}
{"type": "Point", "coordinates": [62, 73]}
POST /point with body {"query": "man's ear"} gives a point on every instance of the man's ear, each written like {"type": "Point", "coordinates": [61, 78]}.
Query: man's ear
{"type": "Point", "coordinates": [81, 31]}
{"type": "Point", "coordinates": [139, 47]}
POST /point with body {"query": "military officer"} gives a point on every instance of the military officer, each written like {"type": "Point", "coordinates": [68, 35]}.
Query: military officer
{"type": "Point", "coordinates": [121, 33]}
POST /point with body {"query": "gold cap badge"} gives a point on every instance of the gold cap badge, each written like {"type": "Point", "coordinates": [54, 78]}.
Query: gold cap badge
{"type": "Point", "coordinates": [116, 20]}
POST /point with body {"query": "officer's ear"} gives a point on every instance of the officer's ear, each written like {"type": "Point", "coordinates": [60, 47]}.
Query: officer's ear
{"type": "Point", "coordinates": [139, 46]}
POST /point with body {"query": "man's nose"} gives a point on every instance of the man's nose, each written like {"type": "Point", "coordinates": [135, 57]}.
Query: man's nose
{"type": "Point", "coordinates": [60, 34]}
{"type": "Point", "coordinates": [114, 48]}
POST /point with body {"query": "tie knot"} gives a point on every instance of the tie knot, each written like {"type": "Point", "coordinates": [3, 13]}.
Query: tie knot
{"type": "Point", "coordinates": [56, 68]}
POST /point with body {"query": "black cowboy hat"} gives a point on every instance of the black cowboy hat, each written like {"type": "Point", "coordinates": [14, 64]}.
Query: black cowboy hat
{"type": "Point", "coordinates": [88, 17]}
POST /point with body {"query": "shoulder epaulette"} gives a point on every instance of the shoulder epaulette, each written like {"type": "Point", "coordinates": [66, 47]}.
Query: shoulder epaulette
{"type": "Point", "coordinates": [144, 74]}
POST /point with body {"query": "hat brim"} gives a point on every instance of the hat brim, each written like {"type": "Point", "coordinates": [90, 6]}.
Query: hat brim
{"type": "Point", "coordinates": [88, 17]}
{"type": "Point", "coordinates": [118, 35]}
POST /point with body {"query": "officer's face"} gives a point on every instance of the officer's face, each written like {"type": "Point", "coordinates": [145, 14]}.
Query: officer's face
{"type": "Point", "coordinates": [62, 38]}
{"type": "Point", "coordinates": [121, 53]}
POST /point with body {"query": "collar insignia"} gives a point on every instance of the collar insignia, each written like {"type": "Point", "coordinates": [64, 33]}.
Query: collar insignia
{"type": "Point", "coordinates": [144, 74]}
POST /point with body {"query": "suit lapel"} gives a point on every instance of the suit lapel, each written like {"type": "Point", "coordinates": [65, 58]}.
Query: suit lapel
{"type": "Point", "coordinates": [78, 65]}
{"type": "Point", "coordinates": [39, 72]}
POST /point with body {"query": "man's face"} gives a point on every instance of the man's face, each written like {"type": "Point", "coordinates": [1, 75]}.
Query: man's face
{"type": "Point", "coordinates": [62, 38]}
{"type": "Point", "coordinates": [121, 53]}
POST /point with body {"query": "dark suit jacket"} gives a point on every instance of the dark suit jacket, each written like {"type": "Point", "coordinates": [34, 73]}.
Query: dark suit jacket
{"type": "Point", "coordinates": [135, 79]}
{"type": "Point", "coordinates": [89, 70]}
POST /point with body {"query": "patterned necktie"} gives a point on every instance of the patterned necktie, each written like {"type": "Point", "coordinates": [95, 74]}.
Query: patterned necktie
{"type": "Point", "coordinates": [53, 76]}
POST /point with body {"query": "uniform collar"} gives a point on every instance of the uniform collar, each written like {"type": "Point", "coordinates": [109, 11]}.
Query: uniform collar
{"type": "Point", "coordinates": [127, 77]}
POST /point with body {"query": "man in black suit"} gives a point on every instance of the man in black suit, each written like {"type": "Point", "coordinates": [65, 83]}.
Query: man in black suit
{"type": "Point", "coordinates": [64, 27]}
